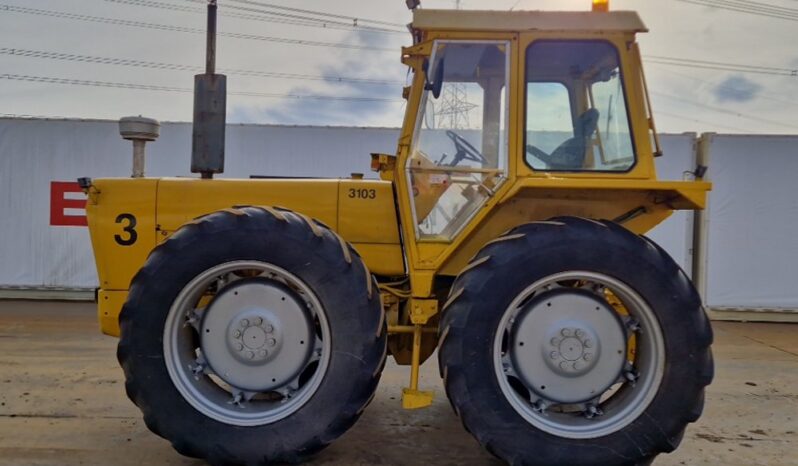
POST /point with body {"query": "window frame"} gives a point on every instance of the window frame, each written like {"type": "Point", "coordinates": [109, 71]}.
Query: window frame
{"type": "Point", "coordinates": [524, 129]}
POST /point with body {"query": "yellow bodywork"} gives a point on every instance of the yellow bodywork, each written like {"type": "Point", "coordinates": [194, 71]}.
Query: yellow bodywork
{"type": "Point", "coordinates": [362, 211]}
{"type": "Point", "coordinates": [376, 216]}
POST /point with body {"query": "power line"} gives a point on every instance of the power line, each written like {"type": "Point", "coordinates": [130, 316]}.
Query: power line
{"type": "Point", "coordinates": [355, 20]}
{"type": "Point", "coordinates": [664, 60]}
{"type": "Point", "coordinates": [341, 79]}
{"type": "Point", "coordinates": [149, 87]}
{"type": "Point", "coordinates": [754, 7]}
{"type": "Point", "coordinates": [710, 65]}
{"type": "Point", "coordinates": [167, 27]}
{"type": "Point", "coordinates": [758, 5]}
{"type": "Point", "coordinates": [740, 8]}
{"type": "Point", "coordinates": [347, 79]}
{"type": "Point", "coordinates": [737, 65]}
{"type": "Point", "coordinates": [743, 8]}
{"type": "Point", "coordinates": [763, 95]}
{"type": "Point", "coordinates": [694, 120]}
{"type": "Point", "coordinates": [356, 23]}
{"type": "Point", "coordinates": [722, 110]}
{"type": "Point", "coordinates": [267, 16]}
{"type": "Point", "coordinates": [178, 67]}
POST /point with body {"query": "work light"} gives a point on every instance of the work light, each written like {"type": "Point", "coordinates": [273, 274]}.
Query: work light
{"type": "Point", "coordinates": [601, 5]}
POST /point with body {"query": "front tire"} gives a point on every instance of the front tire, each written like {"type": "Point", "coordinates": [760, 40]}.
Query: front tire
{"type": "Point", "coordinates": [575, 342]}
{"type": "Point", "coordinates": [252, 336]}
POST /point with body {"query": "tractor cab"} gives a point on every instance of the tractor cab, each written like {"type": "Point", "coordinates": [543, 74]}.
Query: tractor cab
{"type": "Point", "coordinates": [502, 95]}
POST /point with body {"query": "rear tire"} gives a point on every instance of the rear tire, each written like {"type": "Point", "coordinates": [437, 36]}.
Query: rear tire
{"type": "Point", "coordinates": [281, 254]}
{"type": "Point", "coordinates": [480, 356]}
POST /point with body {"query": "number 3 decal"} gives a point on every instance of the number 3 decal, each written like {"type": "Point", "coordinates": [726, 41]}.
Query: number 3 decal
{"type": "Point", "coordinates": [130, 229]}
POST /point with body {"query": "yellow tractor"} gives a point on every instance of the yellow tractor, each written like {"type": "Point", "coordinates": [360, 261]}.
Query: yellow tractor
{"type": "Point", "coordinates": [255, 316]}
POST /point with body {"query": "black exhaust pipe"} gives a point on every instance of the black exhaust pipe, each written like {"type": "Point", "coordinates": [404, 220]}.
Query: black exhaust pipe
{"type": "Point", "coordinates": [210, 110]}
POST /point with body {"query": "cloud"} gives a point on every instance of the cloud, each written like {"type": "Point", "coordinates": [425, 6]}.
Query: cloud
{"type": "Point", "coordinates": [319, 112]}
{"type": "Point", "coordinates": [737, 89]}
{"type": "Point", "coordinates": [365, 67]}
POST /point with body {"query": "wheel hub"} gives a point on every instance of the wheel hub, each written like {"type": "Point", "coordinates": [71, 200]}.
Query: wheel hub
{"type": "Point", "coordinates": [256, 335]}
{"type": "Point", "coordinates": [568, 346]}
{"type": "Point", "coordinates": [572, 350]}
{"type": "Point", "coordinates": [253, 338]}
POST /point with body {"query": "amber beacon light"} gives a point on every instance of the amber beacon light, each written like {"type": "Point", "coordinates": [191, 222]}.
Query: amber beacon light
{"type": "Point", "coordinates": [601, 5]}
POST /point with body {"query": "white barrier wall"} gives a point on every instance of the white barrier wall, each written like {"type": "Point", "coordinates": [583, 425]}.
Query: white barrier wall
{"type": "Point", "coordinates": [752, 254]}
{"type": "Point", "coordinates": [34, 153]}
{"type": "Point", "coordinates": [753, 215]}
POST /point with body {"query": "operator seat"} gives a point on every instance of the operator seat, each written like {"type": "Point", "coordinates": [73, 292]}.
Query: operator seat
{"type": "Point", "coordinates": [570, 155]}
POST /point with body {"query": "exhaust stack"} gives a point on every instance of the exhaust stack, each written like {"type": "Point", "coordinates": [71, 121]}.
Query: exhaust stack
{"type": "Point", "coordinates": [210, 106]}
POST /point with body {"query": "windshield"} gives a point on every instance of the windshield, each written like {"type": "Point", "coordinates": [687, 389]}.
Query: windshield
{"type": "Point", "coordinates": [576, 118]}
{"type": "Point", "coordinates": [459, 152]}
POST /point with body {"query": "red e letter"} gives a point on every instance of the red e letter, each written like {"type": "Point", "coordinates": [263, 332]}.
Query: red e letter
{"type": "Point", "coordinates": [59, 203]}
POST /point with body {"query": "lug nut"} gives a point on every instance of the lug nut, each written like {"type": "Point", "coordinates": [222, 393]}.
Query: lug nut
{"type": "Point", "coordinates": [566, 332]}
{"type": "Point", "coordinates": [237, 334]}
{"type": "Point", "coordinates": [262, 353]}
{"type": "Point", "coordinates": [579, 333]}
{"type": "Point", "coordinates": [239, 347]}
{"type": "Point", "coordinates": [244, 323]}
{"type": "Point", "coordinates": [588, 343]}
{"type": "Point", "coordinates": [564, 365]}
{"type": "Point", "coordinates": [554, 354]}
{"type": "Point", "coordinates": [588, 356]}
{"type": "Point", "coordinates": [258, 321]}
{"type": "Point", "coordinates": [268, 328]}
{"type": "Point", "coordinates": [271, 342]}
{"type": "Point", "coordinates": [555, 341]}
{"type": "Point", "coordinates": [250, 355]}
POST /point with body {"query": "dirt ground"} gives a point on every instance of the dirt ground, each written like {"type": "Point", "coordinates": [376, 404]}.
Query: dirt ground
{"type": "Point", "coordinates": [62, 402]}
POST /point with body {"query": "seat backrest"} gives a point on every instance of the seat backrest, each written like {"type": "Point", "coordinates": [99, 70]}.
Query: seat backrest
{"type": "Point", "coordinates": [587, 125]}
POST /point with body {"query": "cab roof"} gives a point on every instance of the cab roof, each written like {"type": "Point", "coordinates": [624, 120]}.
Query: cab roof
{"type": "Point", "coordinates": [520, 21]}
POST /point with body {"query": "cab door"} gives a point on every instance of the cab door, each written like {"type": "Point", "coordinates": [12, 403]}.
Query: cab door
{"type": "Point", "coordinates": [459, 156]}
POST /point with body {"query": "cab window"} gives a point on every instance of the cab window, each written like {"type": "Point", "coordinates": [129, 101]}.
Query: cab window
{"type": "Point", "coordinates": [576, 115]}
{"type": "Point", "coordinates": [459, 154]}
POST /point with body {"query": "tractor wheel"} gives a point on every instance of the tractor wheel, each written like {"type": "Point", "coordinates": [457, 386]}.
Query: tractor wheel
{"type": "Point", "coordinates": [575, 342]}
{"type": "Point", "coordinates": [252, 336]}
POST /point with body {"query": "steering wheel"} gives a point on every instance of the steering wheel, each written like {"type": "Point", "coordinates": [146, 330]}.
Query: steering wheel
{"type": "Point", "coordinates": [465, 150]}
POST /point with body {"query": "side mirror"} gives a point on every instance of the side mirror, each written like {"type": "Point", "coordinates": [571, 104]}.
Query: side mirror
{"type": "Point", "coordinates": [437, 83]}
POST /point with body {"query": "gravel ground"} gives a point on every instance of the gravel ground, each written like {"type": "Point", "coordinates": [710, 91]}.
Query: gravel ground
{"type": "Point", "coordinates": [62, 402]}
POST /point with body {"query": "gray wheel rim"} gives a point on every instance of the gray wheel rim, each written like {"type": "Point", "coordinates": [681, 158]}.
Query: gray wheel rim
{"type": "Point", "coordinates": [259, 385]}
{"type": "Point", "coordinates": [575, 414]}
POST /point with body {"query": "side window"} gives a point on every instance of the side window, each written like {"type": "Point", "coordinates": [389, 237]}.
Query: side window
{"type": "Point", "coordinates": [576, 115]}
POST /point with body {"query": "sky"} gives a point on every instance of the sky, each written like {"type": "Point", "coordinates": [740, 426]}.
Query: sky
{"type": "Point", "coordinates": [685, 98]}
